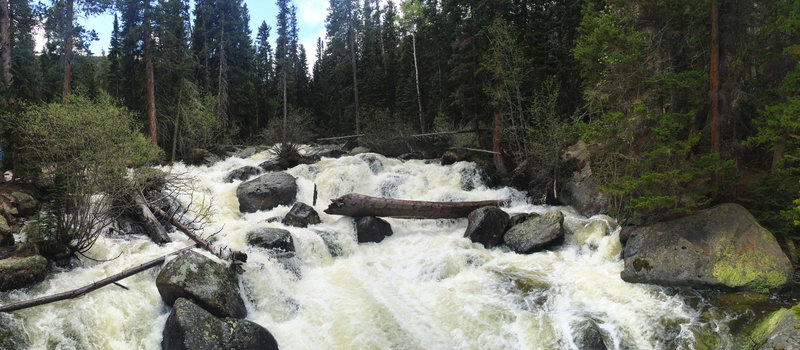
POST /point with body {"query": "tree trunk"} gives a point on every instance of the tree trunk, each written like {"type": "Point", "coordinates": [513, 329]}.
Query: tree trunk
{"type": "Point", "coordinates": [67, 53]}
{"type": "Point", "coordinates": [285, 107]}
{"type": "Point", "coordinates": [777, 154]}
{"type": "Point", "coordinates": [352, 41]}
{"type": "Point", "coordinates": [149, 79]}
{"type": "Point", "coordinates": [416, 78]}
{"type": "Point", "coordinates": [358, 205]}
{"type": "Point", "coordinates": [5, 46]}
{"type": "Point", "coordinates": [177, 122]}
{"type": "Point", "coordinates": [497, 136]}
{"type": "Point", "coordinates": [713, 77]}
{"type": "Point", "coordinates": [154, 228]}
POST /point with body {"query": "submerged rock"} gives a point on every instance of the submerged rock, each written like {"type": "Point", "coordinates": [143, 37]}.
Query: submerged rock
{"type": "Point", "coordinates": [271, 238]}
{"type": "Point", "coordinates": [11, 334]}
{"type": "Point", "coordinates": [722, 247]}
{"type": "Point", "coordinates": [241, 174]}
{"type": "Point", "coordinates": [266, 192]}
{"type": "Point", "coordinates": [536, 233]}
{"type": "Point", "coordinates": [189, 327]}
{"type": "Point", "coordinates": [301, 215]}
{"type": "Point", "coordinates": [487, 226]}
{"type": "Point", "coordinates": [194, 276]}
{"type": "Point", "coordinates": [372, 229]}
{"type": "Point", "coordinates": [588, 336]}
{"type": "Point", "coordinates": [21, 272]}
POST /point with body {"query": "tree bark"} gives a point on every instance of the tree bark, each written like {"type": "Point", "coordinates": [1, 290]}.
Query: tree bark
{"type": "Point", "coordinates": [68, 53]}
{"type": "Point", "coordinates": [5, 46]}
{"type": "Point", "coordinates": [91, 287]}
{"type": "Point", "coordinates": [416, 77]}
{"type": "Point", "coordinates": [149, 79]}
{"type": "Point", "coordinates": [358, 205]}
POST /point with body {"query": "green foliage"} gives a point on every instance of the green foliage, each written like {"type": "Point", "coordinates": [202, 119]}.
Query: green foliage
{"type": "Point", "coordinates": [79, 151]}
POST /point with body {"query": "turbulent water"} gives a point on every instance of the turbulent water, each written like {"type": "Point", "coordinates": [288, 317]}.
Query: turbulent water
{"type": "Point", "coordinates": [425, 287]}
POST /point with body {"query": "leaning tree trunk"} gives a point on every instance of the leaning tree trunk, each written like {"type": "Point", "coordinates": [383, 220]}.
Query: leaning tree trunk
{"type": "Point", "coordinates": [416, 77]}
{"type": "Point", "coordinates": [358, 205]}
{"type": "Point", "coordinates": [67, 53]}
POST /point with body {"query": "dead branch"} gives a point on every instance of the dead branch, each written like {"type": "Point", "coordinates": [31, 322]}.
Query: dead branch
{"type": "Point", "coordinates": [72, 294]}
{"type": "Point", "coordinates": [360, 205]}
{"type": "Point", "coordinates": [234, 257]}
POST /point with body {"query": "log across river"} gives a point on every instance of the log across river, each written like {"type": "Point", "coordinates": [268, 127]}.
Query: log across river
{"type": "Point", "coordinates": [356, 205]}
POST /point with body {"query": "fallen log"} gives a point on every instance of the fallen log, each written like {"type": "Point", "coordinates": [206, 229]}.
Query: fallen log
{"type": "Point", "coordinates": [360, 205]}
{"type": "Point", "coordinates": [154, 229]}
{"type": "Point", "coordinates": [234, 257]}
{"type": "Point", "coordinates": [72, 294]}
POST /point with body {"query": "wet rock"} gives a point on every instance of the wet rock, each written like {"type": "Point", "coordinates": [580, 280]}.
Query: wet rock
{"type": "Point", "coordinates": [329, 153]}
{"type": "Point", "coordinates": [411, 155]}
{"type": "Point", "coordinates": [448, 158]}
{"type": "Point", "coordinates": [271, 165]}
{"type": "Point", "coordinates": [55, 251]}
{"type": "Point", "coordinates": [580, 189]}
{"type": "Point", "coordinates": [372, 229]}
{"type": "Point", "coordinates": [241, 174]}
{"type": "Point", "coordinates": [536, 233]}
{"type": "Point", "coordinates": [189, 327]}
{"type": "Point", "coordinates": [779, 330]}
{"type": "Point", "coordinates": [487, 226]}
{"type": "Point", "coordinates": [722, 247]}
{"type": "Point", "coordinates": [301, 215]}
{"type": "Point", "coordinates": [266, 192]}
{"type": "Point", "coordinates": [196, 277]}
{"type": "Point", "coordinates": [359, 150]}
{"type": "Point", "coordinates": [588, 336]}
{"type": "Point", "coordinates": [6, 238]}
{"type": "Point", "coordinates": [21, 272]}
{"type": "Point", "coordinates": [332, 243]}
{"type": "Point", "coordinates": [199, 156]}
{"type": "Point", "coordinates": [26, 204]}
{"type": "Point", "coordinates": [520, 218]}
{"type": "Point", "coordinates": [271, 238]}
{"type": "Point", "coordinates": [11, 333]}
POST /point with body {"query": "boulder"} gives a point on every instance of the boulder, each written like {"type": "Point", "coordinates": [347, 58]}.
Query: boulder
{"type": "Point", "coordinates": [536, 233]}
{"type": "Point", "coordinates": [241, 174]}
{"type": "Point", "coordinates": [520, 218]}
{"type": "Point", "coordinates": [722, 247]}
{"type": "Point", "coordinates": [329, 153]}
{"type": "Point", "coordinates": [266, 192]}
{"type": "Point", "coordinates": [359, 150]}
{"type": "Point", "coordinates": [26, 204]}
{"type": "Point", "coordinates": [487, 226]}
{"type": "Point", "coordinates": [271, 165]}
{"type": "Point", "coordinates": [5, 232]}
{"type": "Point", "coordinates": [20, 272]}
{"type": "Point", "coordinates": [372, 229]}
{"type": "Point", "coordinates": [588, 336]}
{"type": "Point", "coordinates": [448, 158]}
{"type": "Point", "coordinates": [271, 238]}
{"type": "Point", "coordinates": [54, 251]}
{"type": "Point", "coordinates": [189, 327]}
{"type": "Point", "coordinates": [193, 276]}
{"type": "Point", "coordinates": [199, 156]}
{"type": "Point", "coordinates": [580, 189]}
{"type": "Point", "coordinates": [11, 333]}
{"type": "Point", "coordinates": [779, 330]}
{"type": "Point", "coordinates": [301, 215]}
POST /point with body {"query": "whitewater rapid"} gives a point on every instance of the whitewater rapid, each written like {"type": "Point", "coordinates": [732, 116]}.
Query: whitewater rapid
{"type": "Point", "coordinates": [425, 287]}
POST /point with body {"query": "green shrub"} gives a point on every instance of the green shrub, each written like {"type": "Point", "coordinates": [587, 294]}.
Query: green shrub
{"type": "Point", "coordinates": [81, 153]}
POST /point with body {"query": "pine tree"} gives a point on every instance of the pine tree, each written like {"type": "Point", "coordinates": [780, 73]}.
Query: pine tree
{"type": "Point", "coordinates": [264, 75]}
{"type": "Point", "coordinates": [113, 78]}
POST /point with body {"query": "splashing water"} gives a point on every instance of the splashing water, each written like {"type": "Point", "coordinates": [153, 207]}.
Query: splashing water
{"type": "Point", "coordinates": [425, 287]}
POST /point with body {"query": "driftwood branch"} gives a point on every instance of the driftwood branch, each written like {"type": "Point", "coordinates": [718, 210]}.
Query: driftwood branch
{"type": "Point", "coordinates": [154, 229]}
{"type": "Point", "coordinates": [360, 205]}
{"type": "Point", "coordinates": [234, 257]}
{"type": "Point", "coordinates": [72, 294]}
{"type": "Point", "coordinates": [473, 150]}
{"type": "Point", "coordinates": [340, 137]}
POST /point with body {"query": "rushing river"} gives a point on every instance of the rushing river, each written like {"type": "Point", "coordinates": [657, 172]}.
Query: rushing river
{"type": "Point", "coordinates": [425, 287]}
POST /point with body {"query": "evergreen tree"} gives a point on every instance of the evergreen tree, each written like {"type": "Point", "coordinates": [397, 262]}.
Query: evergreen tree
{"type": "Point", "coordinates": [264, 71]}
{"type": "Point", "coordinates": [113, 77]}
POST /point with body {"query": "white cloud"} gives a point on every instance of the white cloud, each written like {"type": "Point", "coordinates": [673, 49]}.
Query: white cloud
{"type": "Point", "coordinates": [312, 12]}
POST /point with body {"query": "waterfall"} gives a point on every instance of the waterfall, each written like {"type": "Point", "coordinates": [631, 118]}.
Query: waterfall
{"type": "Point", "coordinates": [425, 287]}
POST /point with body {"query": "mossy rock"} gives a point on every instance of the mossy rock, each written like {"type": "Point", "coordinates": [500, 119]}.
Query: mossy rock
{"type": "Point", "coordinates": [723, 247]}
{"type": "Point", "coordinates": [21, 272]}
{"type": "Point", "coordinates": [778, 330]}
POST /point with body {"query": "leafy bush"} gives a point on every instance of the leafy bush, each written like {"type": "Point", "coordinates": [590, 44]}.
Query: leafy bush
{"type": "Point", "coordinates": [81, 152]}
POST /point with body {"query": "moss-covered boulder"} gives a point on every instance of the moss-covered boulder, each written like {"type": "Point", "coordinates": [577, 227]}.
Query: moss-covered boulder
{"type": "Point", "coordinates": [722, 247]}
{"type": "Point", "coordinates": [189, 327]}
{"type": "Point", "coordinates": [536, 233]}
{"type": "Point", "coordinates": [241, 174]}
{"type": "Point", "coordinates": [206, 282]}
{"type": "Point", "coordinates": [780, 330]}
{"type": "Point", "coordinates": [21, 272]}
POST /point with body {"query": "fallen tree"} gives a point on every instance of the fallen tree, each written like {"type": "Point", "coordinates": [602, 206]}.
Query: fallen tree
{"type": "Point", "coordinates": [358, 205]}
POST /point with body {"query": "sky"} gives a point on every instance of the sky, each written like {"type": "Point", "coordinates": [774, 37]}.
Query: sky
{"type": "Point", "coordinates": [310, 21]}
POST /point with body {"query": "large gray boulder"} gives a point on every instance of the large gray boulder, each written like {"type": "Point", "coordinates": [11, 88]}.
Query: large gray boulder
{"type": "Point", "coordinates": [580, 190]}
{"type": "Point", "coordinates": [301, 215]}
{"type": "Point", "coordinates": [536, 233]}
{"type": "Point", "coordinates": [722, 247]}
{"type": "Point", "coordinates": [193, 276]}
{"type": "Point", "coordinates": [241, 174]}
{"type": "Point", "coordinates": [266, 192]}
{"type": "Point", "coordinates": [487, 226]}
{"type": "Point", "coordinates": [372, 229]}
{"type": "Point", "coordinates": [26, 204]}
{"type": "Point", "coordinates": [189, 327]}
{"type": "Point", "coordinates": [21, 272]}
{"type": "Point", "coordinates": [271, 238]}
{"type": "Point", "coordinates": [779, 330]}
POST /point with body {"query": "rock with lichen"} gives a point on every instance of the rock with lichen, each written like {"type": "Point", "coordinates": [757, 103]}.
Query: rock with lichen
{"type": "Point", "coordinates": [722, 247]}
